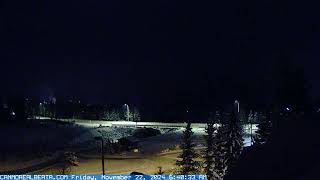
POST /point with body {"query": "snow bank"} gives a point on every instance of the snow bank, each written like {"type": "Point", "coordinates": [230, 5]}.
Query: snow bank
{"type": "Point", "coordinates": [111, 133]}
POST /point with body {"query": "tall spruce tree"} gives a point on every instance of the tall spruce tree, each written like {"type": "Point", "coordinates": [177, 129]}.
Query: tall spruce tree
{"type": "Point", "coordinates": [228, 145]}
{"type": "Point", "coordinates": [209, 151]}
{"type": "Point", "coordinates": [234, 141]}
{"type": "Point", "coordinates": [251, 122]}
{"type": "Point", "coordinates": [264, 129]}
{"type": "Point", "coordinates": [219, 152]}
{"type": "Point", "coordinates": [135, 115]}
{"type": "Point", "coordinates": [187, 161]}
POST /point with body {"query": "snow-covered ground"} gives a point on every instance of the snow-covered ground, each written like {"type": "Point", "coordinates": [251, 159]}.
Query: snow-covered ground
{"type": "Point", "coordinates": [110, 133]}
{"type": "Point", "coordinates": [84, 131]}
{"type": "Point", "coordinates": [38, 134]}
{"type": "Point", "coordinates": [172, 139]}
{"type": "Point", "coordinates": [198, 129]}
{"type": "Point", "coordinates": [169, 138]}
{"type": "Point", "coordinates": [30, 144]}
{"type": "Point", "coordinates": [42, 136]}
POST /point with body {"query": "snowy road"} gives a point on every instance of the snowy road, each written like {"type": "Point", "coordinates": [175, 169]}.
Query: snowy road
{"type": "Point", "coordinates": [97, 123]}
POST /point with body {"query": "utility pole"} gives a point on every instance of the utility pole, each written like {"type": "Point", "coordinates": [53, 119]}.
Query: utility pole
{"type": "Point", "coordinates": [102, 152]}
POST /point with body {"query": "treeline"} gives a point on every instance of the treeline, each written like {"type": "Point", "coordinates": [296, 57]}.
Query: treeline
{"type": "Point", "coordinates": [224, 144]}
{"type": "Point", "coordinates": [20, 109]}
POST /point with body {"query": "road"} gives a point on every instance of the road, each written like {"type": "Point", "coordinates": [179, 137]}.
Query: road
{"type": "Point", "coordinates": [97, 123]}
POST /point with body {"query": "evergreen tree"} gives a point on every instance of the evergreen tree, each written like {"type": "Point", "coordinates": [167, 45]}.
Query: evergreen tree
{"type": "Point", "coordinates": [217, 117]}
{"type": "Point", "coordinates": [112, 115]}
{"type": "Point", "coordinates": [251, 121]}
{"type": "Point", "coordinates": [187, 161]}
{"type": "Point", "coordinates": [209, 151]}
{"type": "Point", "coordinates": [250, 117]}
{"type": "Point", "coordinates": [256, 117]}
{"type": "Point", "coordinates": [135, 115]}
{"type": "Point", "coordinates": [264, 129]}
{"type": "Point", "coordinates": [126, 112]}
{"type": "Point", "coordinates": [243, 116]}
{"type": "Point", "coordinates": [208, 156]}
{"type": "Point", "coordinates": [228, 145]}
{"type": "Point", "coordinates": [234, 141]}
{"type": "Point", "coordinates": [220, 151]}
{"type": "Point", "coordinates": [52, 107]}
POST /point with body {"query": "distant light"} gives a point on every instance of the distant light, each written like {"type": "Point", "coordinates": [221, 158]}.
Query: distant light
{"type": "Point", "coordinates": [136, 150]}
{"type": "Point", "coordinates": [13, 113]}
{"type": "Point", "coordinates": [40, 104]}
{"type": "Point", "coordinates": [288, 109]}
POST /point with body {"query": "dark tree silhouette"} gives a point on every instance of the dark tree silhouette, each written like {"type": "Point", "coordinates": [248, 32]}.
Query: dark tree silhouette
{"type": "Point", "coordinates": [187, 161]}
{"type": "Point", "coordinates": [135, 115]}
{"type": "Point", "coordinates": [264, 129]}
{"type": "Point", "coordinates": [228, 145]}
{"type": "Point", "coordinates": [219, 152]}
{"type": "Point", "coordinates": [234, 141]}
{"type": "Point", "coordinates": [209, 158]}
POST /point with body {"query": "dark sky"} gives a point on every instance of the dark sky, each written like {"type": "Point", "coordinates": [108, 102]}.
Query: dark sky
{"type": "Point", "coordinates": [155, 52]}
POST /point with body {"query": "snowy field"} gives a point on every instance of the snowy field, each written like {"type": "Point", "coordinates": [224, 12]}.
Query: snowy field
{"type": "Point", "coordinates": [42, 135]}
{"type": "Point", "coordinates": [42, 139]}
{"type": "Point", "coordinates": [86, 139]}
{"type": "Point", "coordinates": [114, 130]}
{"type": "Point", "coordinates": [171, 139]}
{"type": "Point", "coordinates": [29, 144]}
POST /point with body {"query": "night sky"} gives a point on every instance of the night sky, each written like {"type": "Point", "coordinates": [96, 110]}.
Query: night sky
{"type": "Point", "coordinates": [160, 53]}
